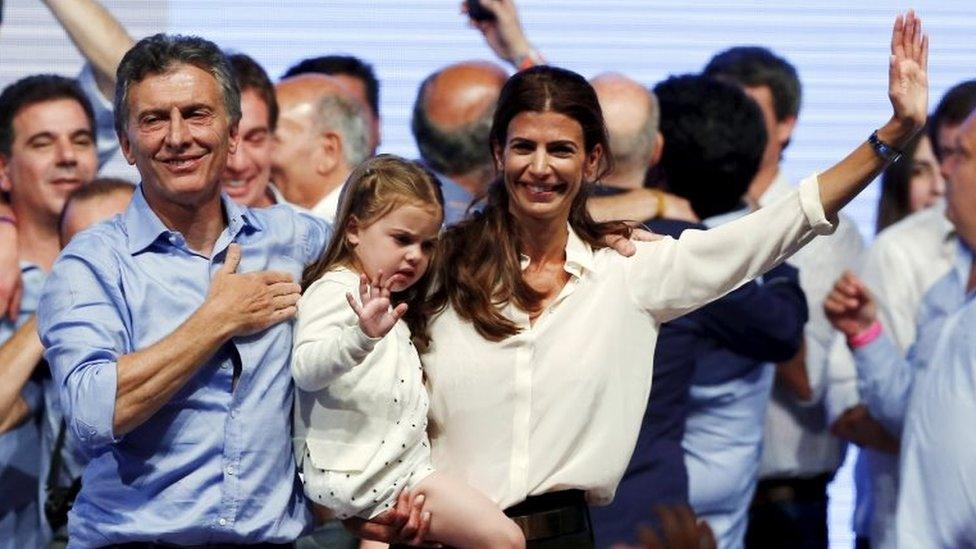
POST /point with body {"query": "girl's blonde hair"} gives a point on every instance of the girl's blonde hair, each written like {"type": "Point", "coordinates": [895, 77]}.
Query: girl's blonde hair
{"type": "Point", "coordinates": [375, 188]}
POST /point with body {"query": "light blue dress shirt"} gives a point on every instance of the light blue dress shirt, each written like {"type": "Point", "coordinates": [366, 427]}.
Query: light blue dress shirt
{"type": "Point", "coordinates": [457, 199]}
{"type": "Point", "coordinates": [213, 465]}
{"type": "Point", "coordinates": [885, 378]}
{"type": "Point", "coordinates": [724, 434]}
{"type": "Point", "coordinates": [929, 399]}
{"type": "Point", "coordinates": [20, 448]}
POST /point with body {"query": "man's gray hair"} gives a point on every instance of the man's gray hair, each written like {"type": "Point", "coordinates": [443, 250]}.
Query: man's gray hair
{"type": "Point", "coordinates": [631, 149]}
{"type": "Point", "coordinates": [160, 53]}
{"type": "Point", "coordinates": [346, 117]}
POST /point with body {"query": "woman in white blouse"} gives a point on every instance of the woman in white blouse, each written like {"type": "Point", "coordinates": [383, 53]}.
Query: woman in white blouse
{"type": "Point", "coordinates": [543, 338]}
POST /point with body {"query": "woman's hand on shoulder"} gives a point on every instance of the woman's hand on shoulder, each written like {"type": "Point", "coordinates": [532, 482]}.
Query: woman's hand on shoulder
{"type": "Point", "coordinates": [376, 318]}
{"type": "Point", "coordinates": [625, 246]}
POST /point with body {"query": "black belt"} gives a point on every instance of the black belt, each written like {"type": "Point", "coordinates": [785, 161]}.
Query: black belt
{"type": "Point", "coordinates": [551, 515]}
{"type": "Point", "coordinates": [779, 490]}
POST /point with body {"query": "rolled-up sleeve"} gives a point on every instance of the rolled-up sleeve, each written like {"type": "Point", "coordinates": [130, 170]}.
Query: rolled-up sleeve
{"type": "Point", "coordinates": [670, 277]}
{"type": "Point", "coordinates": [81, 326]}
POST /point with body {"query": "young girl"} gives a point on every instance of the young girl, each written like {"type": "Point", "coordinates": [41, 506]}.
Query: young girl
{"type": "Point", "coordinates": [361, 407]}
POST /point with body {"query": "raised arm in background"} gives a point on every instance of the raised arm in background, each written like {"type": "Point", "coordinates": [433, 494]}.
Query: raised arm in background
{"type": "Point", "coordinates": [97, 34]}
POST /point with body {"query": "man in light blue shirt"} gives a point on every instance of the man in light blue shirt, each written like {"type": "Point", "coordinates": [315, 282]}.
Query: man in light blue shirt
{"type": "Point", "coordinates": [47, 149]}
{"type": "Point", "coordinates": [173, 366]}
{"type": "Point", "coordinates": [930, 397]}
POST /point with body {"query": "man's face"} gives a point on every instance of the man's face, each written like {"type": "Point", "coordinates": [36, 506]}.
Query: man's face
{"type": "Point", "coordinates": [961, 183]}
{"type": "Point", "coordinates": [295, 149]}
{"type": "Point", "coordinates": [178, 135]}
{"type": "Point", "coordinates": [52, 154]}
{"type": "Point", "coordinates": [248, 171]}
{"type": "Point", "coordinates": [948, 148]}
{"type": "Point", "coordinates": [778, 132]}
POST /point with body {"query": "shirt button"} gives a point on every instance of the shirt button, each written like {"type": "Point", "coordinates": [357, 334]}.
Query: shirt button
{"type": "Point", "coordinates": [233, 413]}
{"type": "Point", "coordinates": [222, 522]}
{"type": "Point", "coordinates": [230, 470]}
{"type": "Point", "coordinates": [223, 366]}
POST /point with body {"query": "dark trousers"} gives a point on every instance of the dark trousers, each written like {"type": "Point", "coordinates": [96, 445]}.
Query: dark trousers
{"type": "Point", "coordinates": [789, 513]}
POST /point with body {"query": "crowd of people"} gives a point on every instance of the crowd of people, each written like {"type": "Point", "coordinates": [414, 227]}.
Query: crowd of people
{"type": "Point", "coordinates": [591, 314]}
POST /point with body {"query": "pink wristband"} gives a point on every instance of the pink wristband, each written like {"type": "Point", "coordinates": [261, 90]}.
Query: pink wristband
{"type": "Point", "coordinates": [864, 337]}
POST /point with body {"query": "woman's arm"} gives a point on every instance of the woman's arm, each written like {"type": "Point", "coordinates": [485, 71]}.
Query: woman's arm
{"type": "Point", "coordinates": [908, 91]}
{"type": "Point", "coordinates": [671, 278]}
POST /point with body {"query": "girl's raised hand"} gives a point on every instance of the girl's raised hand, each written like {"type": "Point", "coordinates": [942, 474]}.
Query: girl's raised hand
{"type": "Point", "coordinates": [376, 318]}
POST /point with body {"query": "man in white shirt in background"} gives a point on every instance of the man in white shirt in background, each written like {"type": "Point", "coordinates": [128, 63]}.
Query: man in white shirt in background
{"type": "Point", "coordinates": [904, 261]}
{"type": "Point", "coordinates": [800, 455]}
{"type": "Point", "coordinates": [322, 134]}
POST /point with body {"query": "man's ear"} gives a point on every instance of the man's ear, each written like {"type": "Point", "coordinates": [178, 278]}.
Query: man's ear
{"type": "Point", "coordinates": [235, 137]}
{"type": "Point", "coordinates": [784, 129]}
{"type": "Point", "coordinates": [330, 153]}
{"type": "Point", "coordinates": [657, 150]}
{"type": "Point", "coordinates": [126, 148]}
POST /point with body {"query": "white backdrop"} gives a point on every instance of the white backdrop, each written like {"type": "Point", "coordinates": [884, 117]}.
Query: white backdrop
{"type": "Point", "coordinates": [838, 46]}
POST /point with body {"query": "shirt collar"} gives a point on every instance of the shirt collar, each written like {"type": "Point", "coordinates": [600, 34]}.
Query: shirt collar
{"type": "Point", "coordinates": [579, 255]}
{"type": "Point", "coordinates": [144, 227]}
{"type": "Point", "coordinates": [329, 205]}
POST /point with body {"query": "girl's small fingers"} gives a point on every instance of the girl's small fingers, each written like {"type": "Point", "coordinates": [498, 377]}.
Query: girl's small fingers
{"type": "Point", "coordinates": [355, 306]}
{"type": "Point", "coordinates": [363, 287]}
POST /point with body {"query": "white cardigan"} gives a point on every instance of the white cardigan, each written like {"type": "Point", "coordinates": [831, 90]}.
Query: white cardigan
{"type": "Point", "coordinates": [352, 389]}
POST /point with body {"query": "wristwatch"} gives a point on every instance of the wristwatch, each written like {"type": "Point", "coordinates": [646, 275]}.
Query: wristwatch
{"type": "Point", "coordinates": [884, 151]}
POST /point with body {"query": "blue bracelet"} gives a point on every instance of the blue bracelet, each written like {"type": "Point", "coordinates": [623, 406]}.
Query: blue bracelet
{"type": "Point", "coordinates": [884, 151]}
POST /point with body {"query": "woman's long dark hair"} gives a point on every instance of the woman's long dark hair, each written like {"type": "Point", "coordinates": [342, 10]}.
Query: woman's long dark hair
{"type": "Point", "coordinates": [894, 202]}
{"type": "Point", "coordinates": [374, 189]}
{"type": "Point", "coordinates": [480, 270]}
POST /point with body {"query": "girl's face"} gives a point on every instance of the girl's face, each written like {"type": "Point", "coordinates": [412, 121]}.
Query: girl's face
{"type": "Point", "coordinates": [926, 185]}
{"type": "Point", "coordinates": [399, 243]}
{"type": "Point", "coordinates": [544, 163]}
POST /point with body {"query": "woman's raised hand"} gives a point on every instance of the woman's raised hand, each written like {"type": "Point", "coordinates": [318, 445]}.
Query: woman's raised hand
{"type": "Point", "coordinates": [908, 85]}
{"type": "Point", "coordinates": [373, 309]}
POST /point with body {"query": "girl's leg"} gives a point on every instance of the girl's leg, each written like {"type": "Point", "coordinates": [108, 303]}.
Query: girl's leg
{"type": "Point", "coordinates": [463, 517]}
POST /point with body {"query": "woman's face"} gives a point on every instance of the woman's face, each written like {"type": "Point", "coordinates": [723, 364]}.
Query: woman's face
{"type": "Point", "coordinates": [544, 162]}
{"type": "Point", "coordinates": [926, 185]}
